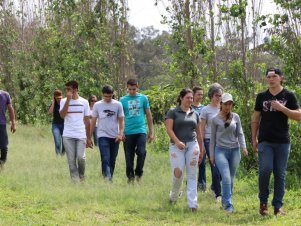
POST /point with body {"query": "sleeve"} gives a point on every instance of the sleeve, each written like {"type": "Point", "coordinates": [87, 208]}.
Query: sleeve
{"type": "Point", "coordinates": [293, 102]}
{"type": "Point", "coordinates": [170, 114]}
{"type": "Point", "coordinates": [203, 114]}
{"type": "Point", "coordinates": [146, 103]}
{"type": "Point", "coordinates": [240, 133]}
{"type": "Point", "coordinates": [62, 104]}
{"type": "Point", "coordinates": [213, 137]}
{"type": "Point", "coordinates": [258, 105]}
{"type": "Point", "coordinates": [86, 108]}
{"type": "Point", "coordinates": [8, 99]}
{"type": "Point", "coordinates": [120, 110]}
{"type": "Point", "coordinates": [94, 112]}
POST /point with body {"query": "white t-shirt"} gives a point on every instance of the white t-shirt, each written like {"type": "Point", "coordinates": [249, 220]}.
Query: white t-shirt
{"type": "Point", "coordinates": [74, 125]}
{"type": "Point", "coordinates": [107, 115]}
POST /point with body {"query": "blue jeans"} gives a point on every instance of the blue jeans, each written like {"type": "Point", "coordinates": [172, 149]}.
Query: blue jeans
{"type": "Point", "coordinates": [215, 175]}
{"type": "Point", "coordinates": [272, 158]}
{"type": "Point", "coordinates": [135, 144]}
{"type": "Point", "coordinates": [108, 152]}
{"type": "Point", "coordinates": [181, 159]}
{"type": "Point", "coordinates": [227, 161]}
{"type": "Point", "coordinates": [57, 132]}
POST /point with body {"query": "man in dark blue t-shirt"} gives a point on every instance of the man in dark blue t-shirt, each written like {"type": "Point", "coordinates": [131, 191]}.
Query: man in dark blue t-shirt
{"type": "Point", "coordinates": [270, 137]}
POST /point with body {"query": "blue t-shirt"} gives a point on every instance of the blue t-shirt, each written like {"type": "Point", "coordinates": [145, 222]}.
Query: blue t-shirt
{"type": "Point", "coordinates": [134, 111]}
{"type": "Point", "coordinates": [4, 101]}
{"type": "Point", "coordinates": [198, 109]}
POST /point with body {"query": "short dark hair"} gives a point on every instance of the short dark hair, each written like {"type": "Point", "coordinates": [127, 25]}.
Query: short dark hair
{"type": "Point", "coordinates": [182, 94]}
{"type": "Point", "coordinates": [215, 88]}
{"type": "Point", "coordinates": [73, 84]}
{"type": "Point", "coordinates": [276, 70]}
{"type": "Point", "coordinates": [132, 82]}
{"type": "Point", "coordinates": [107, 89]}
{"type": "Point", "coordinates": [196, 88]}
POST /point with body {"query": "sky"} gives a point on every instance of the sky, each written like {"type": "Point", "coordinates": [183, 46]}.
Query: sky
{"type": "Point", "coordinates": [144, 13]}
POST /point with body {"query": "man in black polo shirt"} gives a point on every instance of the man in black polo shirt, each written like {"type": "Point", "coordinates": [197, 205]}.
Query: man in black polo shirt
{"type": "Point", "coordinates": [273, 108]}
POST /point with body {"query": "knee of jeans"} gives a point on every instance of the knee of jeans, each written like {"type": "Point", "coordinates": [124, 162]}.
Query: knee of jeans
{"type": "Point", "coordinates": [177, 173]}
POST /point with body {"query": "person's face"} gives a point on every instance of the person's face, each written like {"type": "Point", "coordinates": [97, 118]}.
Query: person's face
{"type": "Point", "coordinates": [187, 100]}
{"type": "Point", "coordinates": [132, 89]}
{"type": "Point", "coordinates": [273, 79]}
{"type": "Point", "coordinates": [92, 101]}
{"type": "Point", "coordinates": [107, 97]}
{"type": "Point", "coordinates": [58, 98]}
{"type": "Point", "coordinates": [217, 97]}
{"type": "Point", "coordinates": [227, 107]}
{"type": "Point", "coordinates": [198, 96]}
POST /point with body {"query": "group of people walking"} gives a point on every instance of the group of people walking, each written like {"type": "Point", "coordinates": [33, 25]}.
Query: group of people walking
{"type": "Point", "coordinates": [196, 132]}
{"type": "Point", "coordinates": [108, 121]}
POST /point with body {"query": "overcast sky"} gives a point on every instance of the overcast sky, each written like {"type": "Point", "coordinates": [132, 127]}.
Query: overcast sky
{"type": "Point", "coordinates": [144, 13]}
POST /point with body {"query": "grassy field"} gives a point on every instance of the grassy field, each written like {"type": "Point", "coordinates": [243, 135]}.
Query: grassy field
{"type": "Point", "coordinates": [35, 189]}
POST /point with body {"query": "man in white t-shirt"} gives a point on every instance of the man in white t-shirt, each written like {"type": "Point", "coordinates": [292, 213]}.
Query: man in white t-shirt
{"type": "Point", "coordinates": [76, 135]}
{"type": "Point", "coordinates": [109, 114]}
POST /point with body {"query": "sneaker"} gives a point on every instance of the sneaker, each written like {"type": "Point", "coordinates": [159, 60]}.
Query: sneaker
{"type": "Point", "coordinates": [279, 212]}
{"type": "Point", "coordinates": [138, 178]}
{"type": "Point", "coordinates": [131, 180]}
{"type": "Point", "coordinates": [230, 209]}
{"type": "Point", "coordinates": [201, 187]}
{"type": "Point", "coordinates": [194, 210]}
{"type": "Point", "coordinates": [218, 199]}
{"type": "Point", "coordinates": [263, 209]}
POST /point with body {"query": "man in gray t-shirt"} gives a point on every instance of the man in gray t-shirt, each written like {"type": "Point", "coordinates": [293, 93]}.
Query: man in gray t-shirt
{"type": "Point", "coordinates": [110, 116]}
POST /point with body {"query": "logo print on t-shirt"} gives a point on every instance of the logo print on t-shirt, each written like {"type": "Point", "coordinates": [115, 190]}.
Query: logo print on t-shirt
{"type": "Point", "coordinates": [267, 105]}
{"type": "Point", "coordinates": [109, 113]}
{"type": "Point", "coordinates": [134, 107]}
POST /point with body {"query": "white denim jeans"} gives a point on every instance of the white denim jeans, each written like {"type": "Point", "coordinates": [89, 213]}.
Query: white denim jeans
{"type": "Point", "coordinates": [179, 159]}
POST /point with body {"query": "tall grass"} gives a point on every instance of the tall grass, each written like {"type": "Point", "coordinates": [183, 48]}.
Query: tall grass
{"type": "Point", "coordinates": [35, 189]}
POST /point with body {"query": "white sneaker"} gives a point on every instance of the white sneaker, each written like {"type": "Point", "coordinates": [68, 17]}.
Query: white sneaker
{"type": "Point", "coordinates": [180, 195]}
{"type": "Point", "coordinates": [218, 199]}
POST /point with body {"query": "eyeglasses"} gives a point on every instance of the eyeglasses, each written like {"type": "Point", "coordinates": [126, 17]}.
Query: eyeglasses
{"type": "Point", "coordinates": [93, 100]}
{"type": "Point", "coordinates": [217, 95]}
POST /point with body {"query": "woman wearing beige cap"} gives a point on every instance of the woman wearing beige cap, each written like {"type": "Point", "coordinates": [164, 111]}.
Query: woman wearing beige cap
{"type": "Point", "coordinates": [226, 139]}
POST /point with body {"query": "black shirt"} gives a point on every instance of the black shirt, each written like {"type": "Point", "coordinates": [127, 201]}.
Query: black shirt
{"type": "Point", "coordinates": [56, 114]}
{"type": "Point", "coordinates": [274, 124]}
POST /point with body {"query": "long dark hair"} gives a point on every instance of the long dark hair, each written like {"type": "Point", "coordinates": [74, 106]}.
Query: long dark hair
{"type": "Point", "coordinates": [183, 94]}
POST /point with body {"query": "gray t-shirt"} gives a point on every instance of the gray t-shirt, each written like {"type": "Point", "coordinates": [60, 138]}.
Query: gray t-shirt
{"type": "Point", "coordinates": [230, 137]}
{"type": "Point", "coordinates": [107, 114]}
{"type": "Point", "coordinates": [208, 113]}
{"type": "Point", "coordinates": [184, 125]}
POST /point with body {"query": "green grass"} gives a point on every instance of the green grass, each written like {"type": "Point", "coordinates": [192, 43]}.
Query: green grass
{"type": "Point", "coordinates": [35, 189]}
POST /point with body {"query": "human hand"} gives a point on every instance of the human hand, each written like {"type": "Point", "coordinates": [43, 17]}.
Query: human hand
{"type": "Point", "coordinates": [150, 137]}
{"type": "Point", "coordinates": [245, 152]}
{"type": "Point", "coordinates": [13, 127]}
{"type": "Point", "coordinates": [255, 145]}
{"type": "Point", "coordinates": [180, 145]}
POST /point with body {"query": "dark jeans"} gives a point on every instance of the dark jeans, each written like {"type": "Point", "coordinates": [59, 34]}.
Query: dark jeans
{"type": "Point", "coordinates": [3, 142]}
{"type": "Point", "coordinates": [215, 175]}
{"type": "Point", "coordinates": [108, 152]}
{"type": "Point", "coordinates": [135, 144]}
{"type": "Point", "coordinates": [272, 158]}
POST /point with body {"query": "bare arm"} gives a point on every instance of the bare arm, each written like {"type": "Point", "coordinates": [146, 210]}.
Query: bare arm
{"type": "Point", "coordinates": [50, 110]}
{"type": "Point", "coordinates": [200, 141]}
{"type": "Point", "coordinates": [172, 135]}
{"type": "Point", "coordinates": [203, 125]}
{"type": "Point", "coordinates": [291, 114]}
{"type": "Point", "coordinates": [121, 129]}
{"type": "Point", "coordinates": [92, 126]}
{"type": "Point", "coordinates": [88, 128]}
{"type": "Point", "coordinates": [149, 118]}
{"type": "Point", "coordinates": [12, 118]}
{"type": "Point", "coordinates": [254, 128]}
